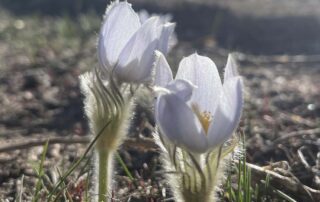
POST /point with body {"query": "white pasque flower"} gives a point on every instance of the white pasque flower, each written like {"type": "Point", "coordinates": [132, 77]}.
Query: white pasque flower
{"type": "Point", "coordinates": [126, 47]}
{"type": "Point", "coordinates": [198, 119]}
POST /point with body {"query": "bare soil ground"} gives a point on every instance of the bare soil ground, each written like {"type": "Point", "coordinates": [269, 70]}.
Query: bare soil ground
{"type": "Point", "coordinates": [41, 57]}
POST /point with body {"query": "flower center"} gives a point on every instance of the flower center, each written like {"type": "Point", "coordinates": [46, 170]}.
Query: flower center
{"type": "Point", "coordinates": [205, 117]}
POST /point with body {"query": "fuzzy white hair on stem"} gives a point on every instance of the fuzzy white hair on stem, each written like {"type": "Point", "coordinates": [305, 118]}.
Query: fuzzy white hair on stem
{"type": "Point", "coordinates": [106, 101]}
{"type": "Point", "coordinates": [195, 177]}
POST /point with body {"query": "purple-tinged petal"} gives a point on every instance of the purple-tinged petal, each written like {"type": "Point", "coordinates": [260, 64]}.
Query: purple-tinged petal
{"type": "Point", "coordinates": [178, 122]}
{"type": "Point", "coordinates": [166, 37]}
{"type": "Point", "coordinates": [203, 73]}
{"type": "Point", "coordinates": [181, 88]}
{"type": "Point", "coordinates": [227, 115]}
{"type": "Point", "coordinates": [120, 23]}
{"type": "Point", "coordinates": [136, 59]}
{"type": "Point", "coordinates": [143, 16]}
{"type": "Point", "coordinates": [163, 73]}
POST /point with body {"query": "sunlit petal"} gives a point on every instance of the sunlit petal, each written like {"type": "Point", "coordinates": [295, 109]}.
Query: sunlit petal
{"type": "Point", "coordinates": [177, 121]}
{"type": "Point", "coordinates": [163, 73]}
{"type": "Point", "coordinates": [203, 73]}
{"type": "Point", "coordinates": [143, 15]}
{"type": "Point", "coordinates": [228, 112]}
{"type": "Point", "coordinates": [166, 34]}
{"type": "Point", "coordinates": [120, 23]}
{"type": "Point", "coordinates": [135, 60]}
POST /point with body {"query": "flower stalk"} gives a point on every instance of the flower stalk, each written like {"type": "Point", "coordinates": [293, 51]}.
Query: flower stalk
{"type": "Point", "coordinates": [194, 177]}
{"type": "Point", "coordinates": [105, 161]}
{"type": "Point", "coordinates": [106, 101]}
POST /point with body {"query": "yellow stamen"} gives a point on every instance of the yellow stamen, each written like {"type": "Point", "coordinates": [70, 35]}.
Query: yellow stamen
{"type": "Point", "coordinates": [205, 117]}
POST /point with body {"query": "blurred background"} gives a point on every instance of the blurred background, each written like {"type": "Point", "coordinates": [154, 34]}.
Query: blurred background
{"type": "Point", "coordinates": [46, 44]}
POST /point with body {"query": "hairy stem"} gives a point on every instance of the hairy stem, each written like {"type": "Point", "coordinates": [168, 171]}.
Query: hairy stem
{"type": "Point", "coordinates": [105, 168]}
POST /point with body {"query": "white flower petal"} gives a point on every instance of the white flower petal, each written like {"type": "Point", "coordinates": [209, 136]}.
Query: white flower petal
{"type": "Point", "coordinates": [227, 115]}
{"type": "Point", "coordinates": [163, 73]}
{"type": "Point", "coordinates": [135, 60]}
{"type": "Point", "coordinates": [166, 37]}
{"type": "Point", "coordinates": [143, 16]}
{"type": "Point", "coordinates": [203, 73]}
{"type": "Point", "coordinates": [231, 69]}
{"type": "Point", "coordinates": [102, 55]}
{"type": "Point", "coordinates": [173, 40]}
{"type": "Point", "coordinates": [181, 88]}
{"type": "Point", "coordinates": [120, 23]}
{"type": "Point", "coordinates": [177, 121]}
